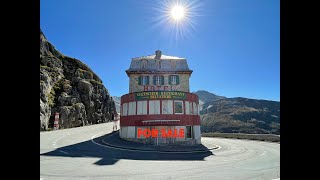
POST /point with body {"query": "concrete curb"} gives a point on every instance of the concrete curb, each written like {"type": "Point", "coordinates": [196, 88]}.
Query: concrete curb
{"type": "Point", "coordinates": [141, 149]}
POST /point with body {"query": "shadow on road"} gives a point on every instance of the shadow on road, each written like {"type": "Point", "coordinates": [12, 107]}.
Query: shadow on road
{"type": "Point", "coordinates": [110, 156]}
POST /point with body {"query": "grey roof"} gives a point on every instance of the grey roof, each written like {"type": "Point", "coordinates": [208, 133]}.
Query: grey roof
{"type": "Point", "coordinates": [162, 63]}
{"type": "Point", "coordinates": [163, 57]}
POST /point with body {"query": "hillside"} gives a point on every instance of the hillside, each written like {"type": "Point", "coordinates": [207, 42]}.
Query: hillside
{"type": "Point", "coordinates": [117, 102]}
{"type": "Point", "coordinates": [241, 115]}
{"type": "Point", "coordinates": [71, 88]}
{"type": "Point", "coordinates": [205, 96]}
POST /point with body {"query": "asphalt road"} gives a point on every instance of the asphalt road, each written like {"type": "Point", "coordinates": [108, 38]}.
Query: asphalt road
{"type": "Point", "coordinates": [77, 153]}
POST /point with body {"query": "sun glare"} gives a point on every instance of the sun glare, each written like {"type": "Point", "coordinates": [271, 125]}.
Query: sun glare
{"type": "Point", "coordinates": [177, 18]}
{"type": "Point", "coordinates": [177, 12]}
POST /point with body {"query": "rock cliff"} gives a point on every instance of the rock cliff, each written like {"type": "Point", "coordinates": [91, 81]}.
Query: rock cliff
{"type": "Point", "coordinates": [71, 88]}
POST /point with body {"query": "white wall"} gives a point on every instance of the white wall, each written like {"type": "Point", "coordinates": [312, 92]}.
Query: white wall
{"type": "Point", "coordinates": [131, 132]}
{"type": "Point", "coordinates": [196, 132]}
{"type": "Point", "coordinates": [167, 106]}
{"type": "Point", "coordinates": [195, 108]}
{"type": "Point", "coordinates": [124, 109]}
{"type": "Point", "coordinates": [124, 132]}
{"type": "Point", "coordinates": [142, 107]}
{"type": "Point", "coordinates": [132, 108]}
{"type": "Point", "coordinates": [127, 132]}
{"type": "Point", "coordinates": [154, 107]}
{"type": "Point", "coordinates": [187, 107]}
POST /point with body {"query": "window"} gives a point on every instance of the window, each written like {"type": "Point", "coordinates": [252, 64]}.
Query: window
{"type": "Point", "coordinates": [154, 107]}
{"type": "Point", "coordinates": [187, 107]}
{"type": "Point", "coordinates": [195, 108]}
{"type": "Point", "coordinates": [178, 107]}
{"type": "Point", "coordinates": [158, 80]}
{"type": "Point", "coordinates": [189, 131]}
{"type": "Point", "coordinates": [167, 107]}
{"type": "Point", "coordinates": [142, 107]}
{"type": "Point", "coordinates": [124, 109]}
{"type": "Point", "coordinates": [190, 108]}
{"type": "Point", "coordinates": [143, 80]}
{"type": "Point", "coordinates": [132, 108]}
{"type": "Point", "coordinates": [173, 79]}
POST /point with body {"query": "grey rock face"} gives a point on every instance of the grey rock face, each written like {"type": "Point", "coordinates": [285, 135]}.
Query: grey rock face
{"type": "Point", "coordinates": [71, 88]}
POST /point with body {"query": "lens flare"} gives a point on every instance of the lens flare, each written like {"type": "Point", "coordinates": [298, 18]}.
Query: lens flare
{"type": "Point", "coordinates": [177, 18]}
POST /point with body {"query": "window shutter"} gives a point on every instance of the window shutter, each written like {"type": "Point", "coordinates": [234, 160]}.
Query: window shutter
{"type": "Point", "coordinates": [162, 80]}
{"type": "Point", "coordinates": [154, 80]}
{"type": "Point", "coordinates": [177, 79]}
{"type": "Point", "coordinates": [147, 80]}
{"type": "Point", "coordinates": [139, 80]}
{"type": "Point", "coordinates": [170, 80]}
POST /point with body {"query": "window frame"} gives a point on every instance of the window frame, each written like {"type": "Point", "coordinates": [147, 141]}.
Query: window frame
{"type": "Point", "coordinates": [174, 80]}
{"type": "Point", "coordinates": [163, 105]}
{"type": "Point", "coordinates": [144, 80]}
{"type": "Point", "coordinates": [151, 108]}
{"type": "Point", "coordinates": [158, 78]}
{"type": "Point", "coordinates": [190, 132]}
{"type": "Point", "coordinates": [143, 106]}
{"type": "Point", "coordinates": [174, 107]}
{"type": "Point", "coordinates": [124, 109]}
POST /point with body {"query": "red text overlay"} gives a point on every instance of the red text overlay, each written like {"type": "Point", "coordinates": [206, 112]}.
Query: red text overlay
{"type": "Point", "coordinates": [164, 133]}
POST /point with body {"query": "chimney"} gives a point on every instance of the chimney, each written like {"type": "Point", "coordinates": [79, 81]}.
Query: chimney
{"type": "Point", "coordinates": [158, 54]}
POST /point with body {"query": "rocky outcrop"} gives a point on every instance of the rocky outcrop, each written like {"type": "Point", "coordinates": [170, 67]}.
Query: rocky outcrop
{"type": "Point", "coordinates": [71, 88]}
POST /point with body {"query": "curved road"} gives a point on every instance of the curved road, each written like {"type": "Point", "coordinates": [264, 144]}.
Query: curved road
{"type": "Point", "coordinates": [77, 153]}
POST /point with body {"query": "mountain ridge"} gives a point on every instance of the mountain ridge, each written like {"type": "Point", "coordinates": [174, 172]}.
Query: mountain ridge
{"type": "Point", "coordinates": [241, 115]}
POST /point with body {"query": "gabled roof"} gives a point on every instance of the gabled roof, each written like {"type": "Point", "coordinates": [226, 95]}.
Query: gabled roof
{"type": "Point", "coordinates": [163, 57]}
{"type": "Point", "coordinates": [158, 63]}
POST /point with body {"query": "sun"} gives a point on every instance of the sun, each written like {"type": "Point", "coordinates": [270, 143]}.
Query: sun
{"type": "Point", "coordinates": [177, 12]}
{"type": "Point", "coordinates": [175, 18]}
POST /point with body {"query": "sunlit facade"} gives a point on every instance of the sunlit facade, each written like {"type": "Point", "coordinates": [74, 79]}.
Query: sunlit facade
{"type": "Point", "coordinates": [159, 98]}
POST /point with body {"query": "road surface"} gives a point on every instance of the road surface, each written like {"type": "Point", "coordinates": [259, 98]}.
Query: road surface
{"type": "Point", "coordinates": [77, 154]}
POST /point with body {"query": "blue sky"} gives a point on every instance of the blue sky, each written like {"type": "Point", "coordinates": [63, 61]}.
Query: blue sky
{"type": "Point", "coordinates": [233, 47]}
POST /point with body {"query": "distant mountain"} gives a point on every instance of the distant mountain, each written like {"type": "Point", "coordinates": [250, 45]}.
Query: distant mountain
{"type": "Point", "coordinates": [205, 96]}
{"type": "Point", "coordinates": [69, 87]}
{"type": "Point", "coordinates": [239, 114]}
{"type": "Point", "coordinates": [117, 101]}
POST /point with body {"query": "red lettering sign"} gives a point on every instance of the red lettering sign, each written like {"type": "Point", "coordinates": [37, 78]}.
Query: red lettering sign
{"type": "Point", "coordinates": [164, 133]}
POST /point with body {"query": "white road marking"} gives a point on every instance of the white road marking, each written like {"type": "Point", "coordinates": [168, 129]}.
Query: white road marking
{"type": "Point", "coordinates": [140, 150]}
{"type": "Point", "coordinates": [55, 141]}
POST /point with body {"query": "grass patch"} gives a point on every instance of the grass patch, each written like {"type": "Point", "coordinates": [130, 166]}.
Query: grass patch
{"type": "Point", "coordinates": [92, 81]}
{"type": "Point", "coordinates": [259, 137]}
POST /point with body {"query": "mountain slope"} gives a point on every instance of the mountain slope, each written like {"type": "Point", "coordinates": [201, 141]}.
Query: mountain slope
{"type": "Point", "coordinates": [221, 114]}
{"type": "Point", "coordinates": [117, 101]}
{"type": "Point", "coordinates": [71, 88]}
{"type": "Point", "coordinates": [205, 96]}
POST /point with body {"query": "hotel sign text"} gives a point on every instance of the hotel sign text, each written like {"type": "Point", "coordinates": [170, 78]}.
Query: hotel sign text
{"type": "Point", "coordinates": [160, 95]}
